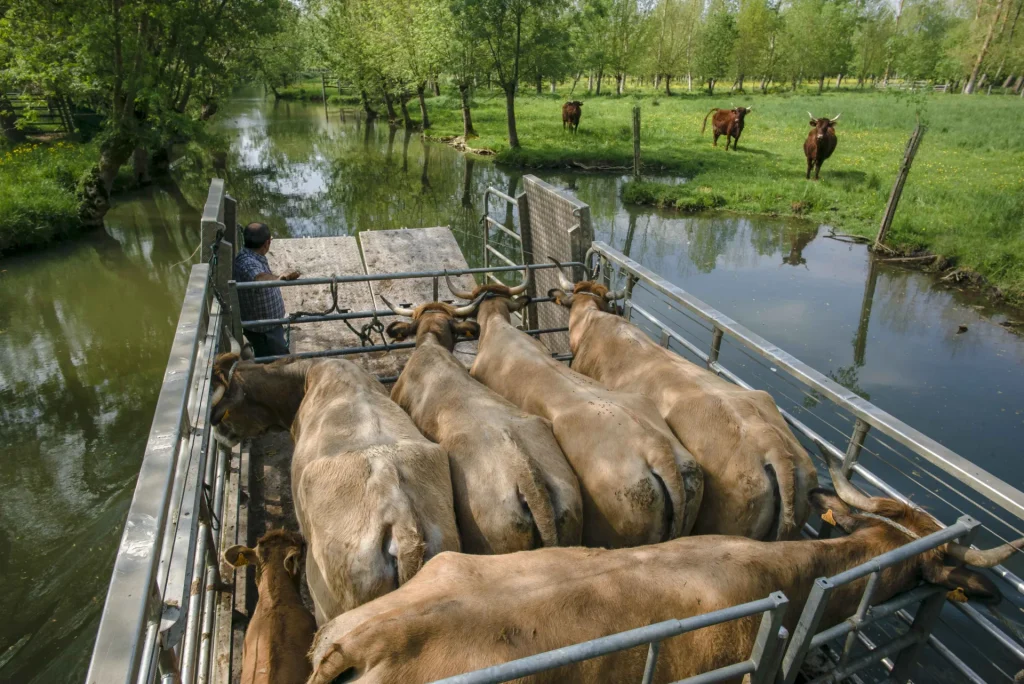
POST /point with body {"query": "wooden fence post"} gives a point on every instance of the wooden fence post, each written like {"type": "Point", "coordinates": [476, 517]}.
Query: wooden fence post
{"type": "Point", "coordinates": [897, 188]}
{"type": "Point", "coordinates": [636, 142]}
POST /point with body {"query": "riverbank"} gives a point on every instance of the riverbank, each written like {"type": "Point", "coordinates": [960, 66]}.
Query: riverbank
{"type": "Point", "coordinates": [963, 199]}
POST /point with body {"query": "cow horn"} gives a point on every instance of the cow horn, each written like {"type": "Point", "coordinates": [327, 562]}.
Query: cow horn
{"type": "Point", "coordinates": [812, 116]}
{"type": "Point", "coordinates": [612, 295]}
{"type": "Point", "coordinates": [401, 311]}
{"type": "Point", "coordinates": [983, 559]}
{"type": "Point", "coordinates": [463, 311]}
{"type": "Point", "coordinates": [563, 281]}
{"type": "Point", "coordinates": [236, 348]}
{"type": "Point", "coordinates": [521, 287]}
{"type": "Point", "coordinates": [837, 117]}
{"type": "Point", "coordinates": [749, 109]}
{"type": "Point", "coordinates": [461, 294]}
{"type": "Point", "coordinates": [844, 488]}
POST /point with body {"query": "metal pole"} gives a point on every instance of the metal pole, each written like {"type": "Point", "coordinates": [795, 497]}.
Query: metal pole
{"type": "Point", "coordinates": [860, 431]}
{"type": "Point", "coordinates": [652, 662]}
{"type": "Point", "coordinates": [716, 346]}
{"type": "Point", "coordinates": [636, 142]}
{"type": "Point", "coordinates": [769, 641]}
{"type": "Point", "coordinates": [858, 617]}
{"type": "Point", "coordinates": [805, 630]}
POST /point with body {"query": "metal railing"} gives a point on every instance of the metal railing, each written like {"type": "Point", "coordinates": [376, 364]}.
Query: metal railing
{"type": "Point", "coordinates": [489, 221]}
{"type": "Point", "coordinates": [761, 666]}
{"type": "Point", "coordinates": [863, 419]}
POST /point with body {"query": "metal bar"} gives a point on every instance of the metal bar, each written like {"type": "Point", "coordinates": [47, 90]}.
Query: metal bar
{"type": "Point", "coordinates": [1001, 637]}
{"type": "Point", "coordinates": [860, 431]}
{"type": "Point", "coordinates": [652, 663]}
{"type": "Point", "coordinates": [545, 331]}
{"type": "Point", "coordinates": [345, 316]}
{"type": "Point", "coordinates": [766, 652]}
{"type": "Point", "coordinates": [716, 345]}
{"type": "Point", "coordinates": [895, 646]}
{"type": "Point", "coordinates": [494, 222]}
{"type": "Point", "coordinates": [260, 284]}
{"type": "Point", "coordinates": [983, 482]}
{"type": "Point", "coordinates": [729, 672]}
{"type": "Point", "coordinates": [924, 623]}
{"type": "Point", "coordinates": [236, 310]}
{"type": "Point", "coordinates": [878, 613]}
{"type": "Point", "coordinates": [550, 660]}
{"type": "Point", "coordinates": [500, 256]}
{"type": "Point", "coordinates": [494, 191]}
{"type": "Point", "coordinates": [814, 608]}
{"type": "Point", "coordinates": [116, 655]}
{"type": "Point", "coordinates": [857, 618]}
{"type": "Point", "coordinates": [944, 651]}
{"type": "Point", "coordinates": [213, 578]}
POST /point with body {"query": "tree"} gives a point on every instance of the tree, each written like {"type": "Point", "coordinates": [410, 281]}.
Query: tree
{"type": "Point", "coordinates": [462, 57]}
{"type": "Point", "coordinates": [500, 25]}
{"type": "Point", "coordinates": [715, 47]}
{"type": "Point", "coordinates": [627, 31]}
{"type": "Point", "coordinates": [755, 29]}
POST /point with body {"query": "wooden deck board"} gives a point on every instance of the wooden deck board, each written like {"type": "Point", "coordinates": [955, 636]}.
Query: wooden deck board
{"type": "Point", "coordinates": [417, 249]}
{"type": "Point", "coordinates": [317, 258]}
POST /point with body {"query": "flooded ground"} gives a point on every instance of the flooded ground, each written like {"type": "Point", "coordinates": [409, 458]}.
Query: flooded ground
{"type": "Point", "coordinates": [85, 330]}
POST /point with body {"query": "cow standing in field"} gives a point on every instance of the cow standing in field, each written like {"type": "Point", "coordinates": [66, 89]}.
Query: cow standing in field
{"type": "Point", "coordinates": [639, 484]}
{"type": "Point", "coordinates": [820, 143]}
{"type": "Point", "coordinates": [513, 488]}
{"type": "Point", "coordinates": [756, 474]}
{"type": "Point", "coordinates": [372, 495]}
{"type": "Point", "coordinates": [281, 629]}
{"type": "Point", "coordinates": [463, 612]}
{"type": "Point", "coordinates": [727, 122]}
{"type": "Point", "coordinates": [571, 115]}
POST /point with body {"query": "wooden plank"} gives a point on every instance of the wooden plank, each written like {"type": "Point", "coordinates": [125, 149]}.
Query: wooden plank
{"type": "Point", "coordinates": [318, 258]}
{"type": "Point", "coordinates": [417, 249]}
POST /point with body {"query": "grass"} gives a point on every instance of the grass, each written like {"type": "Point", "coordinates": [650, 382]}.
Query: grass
{"type": "Point", "coordinates": [964, 198]}
{"type": "Point", "coordinates": [38, 204]}
{"type": "Point", "coordinates": [311, 91]}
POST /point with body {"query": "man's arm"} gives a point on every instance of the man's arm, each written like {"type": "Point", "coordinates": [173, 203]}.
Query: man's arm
{"type": "Point", "coordinates": [270, 276]}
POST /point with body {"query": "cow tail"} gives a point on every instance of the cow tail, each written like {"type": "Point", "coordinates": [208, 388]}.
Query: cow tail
{"type": "Point", "coordinates": [784, 483]}
{"type": "Point", "coordinates": [674, 488]}
{"type": "Point", "coordinates": [410, 542]}
{"type": "Point", "coordinates": [335, 667]}
{"type": "Point", "coordinates": [704, 125]}
{"type": "Point", "coordinates": [531, 486]}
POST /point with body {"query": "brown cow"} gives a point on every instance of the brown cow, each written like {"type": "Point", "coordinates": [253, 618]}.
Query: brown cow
{"type": "Point", "coordinates": [820, 143]}
{"type": "Point", "coordinates": [756, 475]}
{"type": "Point", "coordinates": [463, 612]}
{"type": "Point", "coordinates": [727, 122]}
{"type": "Point", "coordinates": [513, 488]}
{"type": "Point", "coordinates": [571, 115]}
{"type": "Point", "coordinates": [281, 629]}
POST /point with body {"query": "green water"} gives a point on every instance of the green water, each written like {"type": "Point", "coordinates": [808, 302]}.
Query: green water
{"type": "Point", "coordinates": [85, 330]}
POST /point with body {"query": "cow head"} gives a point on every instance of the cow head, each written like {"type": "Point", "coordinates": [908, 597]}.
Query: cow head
{"type": "Point", "coordinates": [441, 320]}
{"type": "Point", "coordinates": [276, 549]}
{"type": "Point", "coordinates": [494, 296]}
{"type": "Point", "coordinates": [576, 103]}
{"type": "Point", "coordinates": [249, 398]}
{"type": "Point", "coordinates": [566, 293]}
{"type": "Point", "coordinates": [889, 524]}
{"type": "Point", "coordinates": [742, 112]}
{"type": "Point", "coordinates": [822, 125]}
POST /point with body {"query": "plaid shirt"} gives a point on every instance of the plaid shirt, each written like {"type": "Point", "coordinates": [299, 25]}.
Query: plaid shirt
{"type": "Point", "coordinates": [257, 304]}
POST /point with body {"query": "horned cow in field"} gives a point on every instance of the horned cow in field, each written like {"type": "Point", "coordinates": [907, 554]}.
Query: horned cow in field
{"type": "Point", "coordinates": [456, 616]}
{"type": "Point", "coordinates": [727, 122]}
{"type": "Point", "coordinates": [513, 488]}
{"type": "Point", "coordinates": [756, 475]}
{"type": "Point", "coordinates": [639, 484]}
{"type": "Point", "coordinates": [372, 495]}
{"type": "Point", "coordinates": [820, 144]}
{"type": "Point", "coordinates": [571, 115]}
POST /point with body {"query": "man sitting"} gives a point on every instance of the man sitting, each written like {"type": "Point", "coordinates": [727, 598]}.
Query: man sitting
{"type": "Point", "coordinates": [262, 304]}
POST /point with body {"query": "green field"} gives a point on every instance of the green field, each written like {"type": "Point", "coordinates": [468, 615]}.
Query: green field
{"type": "Point", "coordinates": [964, 198]}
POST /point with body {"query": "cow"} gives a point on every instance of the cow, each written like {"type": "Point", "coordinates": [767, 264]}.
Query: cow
{"type": "Point", "coordinates": [571, 115]}
{"type": "Point", "coordinates": [756, 474]}
{"type": "Point", "coordinates": [820, 143]}
{"type": "Point", "coordinates": [639, 485]}
{"type": "Point", "coordinates": [468, 612]}
{"type": "Point", "coordinates": [373, 496]}
{"type": "Point", "coordinates": [281, 629]}
{"type": "Point", "coordinates": [512, 486]}
{"type": "Point", "coordinates": [727, 122]}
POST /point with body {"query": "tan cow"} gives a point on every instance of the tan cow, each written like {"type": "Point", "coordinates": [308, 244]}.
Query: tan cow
{"type": "Point", "coordinates": [281, 630]}
{"type": "Point", "coordinates": [639, 484]}
{"type": "Point", "coordinates": [513, 488]}
{"type": "Point", "coordinates": [756, 475]}
{"type": "Point", "coordinates": [467, 612]}
{"type": "Point", "coordinates": [372, 495]}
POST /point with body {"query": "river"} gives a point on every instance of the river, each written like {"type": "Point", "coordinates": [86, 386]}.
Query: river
{"type": "Point", "coordinates": [85, 329]}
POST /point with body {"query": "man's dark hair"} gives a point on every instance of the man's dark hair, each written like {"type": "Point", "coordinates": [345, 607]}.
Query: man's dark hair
{"type": "Point", "coordinates": [256, 235]}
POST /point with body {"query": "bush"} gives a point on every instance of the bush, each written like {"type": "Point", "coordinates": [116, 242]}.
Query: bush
{"type": "Point", "coordinates": [683, 197]}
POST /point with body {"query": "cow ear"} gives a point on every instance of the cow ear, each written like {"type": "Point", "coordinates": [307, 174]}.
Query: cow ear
{"type": "Point", "coordinates": [813, 122]}
{"type": "Point", "coordinates": [400, 330]}
{"type": "Point", "coordinates": [291, 561]}
{"type": "Point", "coordinates": [963, 583]}
{"type": "Point", "coordinates": [238, 556]}
{"type": "Point", "coordinates": [518, 303]}
{"type": "Point", "coordinates": [834, 510]}
{"type": "Point", "coordinates": [468, 330]}
{"type": "Point", "coordinates": [560, 297]}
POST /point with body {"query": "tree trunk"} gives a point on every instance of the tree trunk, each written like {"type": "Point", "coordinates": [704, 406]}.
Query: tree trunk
{"type": "Point", "coordinates": [668, 85]}
{"type": "Point", "coordinates": [839, 81]}
{"type": "Point", "coordinates": [510, 114]}
{"type": "Point", "coordinates": [972, 82]}
{"type": "Point", "coordinates": [94, 198]}
{"type": "Point", "coordinates": [467, 117]}
{"type": "Point", "coordinates": [421, 90]}
{"type": "Point", "coordinates": [600, 75]}
{"type": "Point", "coordinates": [689, 82]}
{"type": "Point", "coordinates": [590, 82]}
{"type": "Point", "coordinates": [553, 86]}
{"type": "Point", "coordinates": [389, 104]}
{"type": "Point", "coordinates": [540, 84]}
{"type": "Point", "coordinates": [403, 101]}
{"type": "Point", "coordinates": [140, 164]}
{"type": "Point", "coordinates": [711, 86]}
{"type": "Point", "coordinates": [620, 83]}
{"type": "Point", "coordinates": [467, 177]}
{"type": "Point", "coordinates": [657, 81]}
{"type": "Point", "coordinates": [821, 84]}
{"type": "Point", "coordinates": [370, 112]}
{"type": "Point", "coordinates": [764, 84]}
{"type": "Point", "coordinates": [437, 88]}
{"type": "Point", "coordinates": [8, 122]}
{"type": "Point", "coordinates": [739, 83]}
